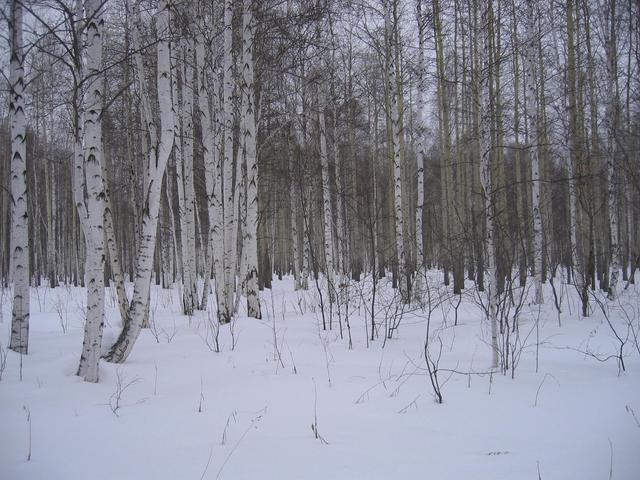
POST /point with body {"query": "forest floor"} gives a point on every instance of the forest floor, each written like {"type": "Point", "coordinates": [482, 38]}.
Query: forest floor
{"type": "Point", "coordinates": [286, 399]}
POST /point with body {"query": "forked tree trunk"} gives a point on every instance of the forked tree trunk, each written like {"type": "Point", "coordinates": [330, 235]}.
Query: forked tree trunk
{"type": "Point", "coordinates": [159, 152]}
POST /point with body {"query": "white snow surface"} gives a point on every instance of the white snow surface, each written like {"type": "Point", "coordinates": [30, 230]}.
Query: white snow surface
{"type": "Point", "coordinates": [187, 412]}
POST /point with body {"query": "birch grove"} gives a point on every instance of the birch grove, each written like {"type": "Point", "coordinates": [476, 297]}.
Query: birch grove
{"type": "Point", "coordinates": [210, 147]}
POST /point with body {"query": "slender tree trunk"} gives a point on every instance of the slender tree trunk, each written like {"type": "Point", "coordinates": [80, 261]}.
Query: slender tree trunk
{"type": "Point", "coordinates": [190, 293]}
{"type": "Point", "coordinates": [19, 214]}
{"type": "Point", "coordinates": [579, 244]}
{"type": "Point", "coordinates": [326, 198]}
{"type": "Point", "coordinates": [225, 300]}
{"type": "Point", "coordinates": [612, 125]}
{"type": "Point", "coordinates": [251, 232]}
{"type": "Point", "coordinates": [418, 284]}
{"type": "Point", "coordinates": [486, 150]}
{"type": "Point", "coordinates": [532, 113]}
{"type": "Point", "coordinates": [95, 205]}
{"type": "Point", "coordinates": [209, 150]}
{"type": "Point", "coordinates": [396, 133]}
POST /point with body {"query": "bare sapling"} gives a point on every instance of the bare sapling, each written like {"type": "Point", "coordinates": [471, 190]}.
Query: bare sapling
{"type": "Point", "coordinates": [314, 425]}
{"type": "Point", "coordinates": [122, 385]}
{"type": "Point", "coordinates": [27, 411]}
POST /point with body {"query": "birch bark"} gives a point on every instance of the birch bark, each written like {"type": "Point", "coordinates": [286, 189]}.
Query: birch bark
{"type": "Point", "coordinates": [326, 198]}
{"type": "Point", "coordinates": [391, 32]}
{"type": "Point", "coordinates": [418, 283]}
{"type": "Point", "coordinates": [19, 214]}
{"type": "Point", "coordinates": [612, 124]}
{"type": "Point", "coordinates": [93, 219]}
{"type": "Point", "coordinates": [225, 300]}
{"type": "Point", "coordinates": [532, 114]}
{"type": "Point", "coordinates": [249, 134]}
{"type": "Point", "coordinates": [491, 284]}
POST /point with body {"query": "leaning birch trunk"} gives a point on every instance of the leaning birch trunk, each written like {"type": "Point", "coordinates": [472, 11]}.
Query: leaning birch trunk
{"type": "Point", "coordinates": [94, 218]}
{"type": "Point", "coordinates": [612, 123]}
{"type": "Point", "coordinates": [491, 284]}
{"type": "Point", "coordinates": [159, 152]}
{"type": "Point", "coordinates": [19, 214]}
{"type": "Point", "coordinates": [251, 231]}
{"type": "Point", "coordinates": [421, 156]}
{"type": "Point", "coordinates": [390, 31]}
{"type": "Point", "coordinates": [114, 257]}
{"type": "Point", "coordinates": [532, 114]}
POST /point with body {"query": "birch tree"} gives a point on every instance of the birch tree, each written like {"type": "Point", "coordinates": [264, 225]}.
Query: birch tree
{"type": "Point", "coordinates": [225, 276]}
{"type": "Point", "coordinates": [612, 125]}
{"type": "Point", "coordinates": [486, 152]}
{"type": "Point", "coordinates": [184, 173]}
{"type": "Point", "coordinates": [160, 147]}
{"type": "Point", "coordinates": [209, 150]}
{"type": "Point", "coordinates": [421, 152]}
{"type": "Point", "coordinates": [19, 214]}
{"type": "Point", "coordinates": [326, 196]}
{"type": "Point", "coordinates": [91, 211]}
{"type": "Point", "coordinates": [396, 133]}
{"type": "Point", "coordinates": [532, 114]}
{"type": "Point", "coordinates": [249, 144]}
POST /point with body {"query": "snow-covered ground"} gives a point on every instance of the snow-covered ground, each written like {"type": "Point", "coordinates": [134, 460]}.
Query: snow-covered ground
{"type": "Point", "coordinates": [179, 410]}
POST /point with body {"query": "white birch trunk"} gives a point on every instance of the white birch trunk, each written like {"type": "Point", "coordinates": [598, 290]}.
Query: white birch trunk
{"type": "Point", "coordinates": [19, 214]}
{"type": "Point", "coordinates": [225, 174]}
{"type": "Point", "coordinates": [293, 202]}
{"type": "Point", "coordinates": [295, 192]}
{"type": "Point", "coordinates": [612, 120]}
{"type": "Point", "coordinates": [94, 206]}
{"type": "Point", "coordinates": [390, 30]}
{"type": "Point", "coordinates": [418, 284]}
{"type": "Point", "coordinates": [304, 192]}
{"type": "Point", "coordinates": [184, 176]}
{"type": "Point", "coordinates": [491, 283]}
{"type": "Point", "coordinates": [208, 148]}
{"type": "Point", "coordinates": [249, 134]}
{"type": "Point", "coordinates": [532, 114]}
{"type": "Point", "coordinates": [181, 253]}
{"type": "Point", "coordinates": [159, 152]}
{"type": "Point", "coordinates": [326, 199]}
{"type": "Point", "coordinates": [190, 285]}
